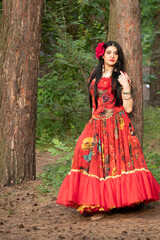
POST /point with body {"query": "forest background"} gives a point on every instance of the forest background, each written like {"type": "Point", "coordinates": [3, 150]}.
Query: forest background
{"type": "Point", "coordinates": [30, 178]}
{"type": "Point", "coordinates": [71, 31]}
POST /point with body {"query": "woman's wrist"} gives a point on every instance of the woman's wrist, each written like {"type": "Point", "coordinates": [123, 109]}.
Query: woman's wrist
{"type": "Point", "coordinates": [126, 90]}
{"type": "Point", "coordinates": [126, 86]}
{"type": "Point", "coordinates": [127, 98]}
{"type": "Point", "coordinates": [126, 93]}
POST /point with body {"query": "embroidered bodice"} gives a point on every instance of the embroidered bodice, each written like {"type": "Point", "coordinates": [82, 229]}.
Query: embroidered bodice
{"type": "Point", "coordinates": [106, 102]}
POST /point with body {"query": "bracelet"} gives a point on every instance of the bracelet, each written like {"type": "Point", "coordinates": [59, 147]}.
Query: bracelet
{"type": "Point", "coordinates": [127, 98]}
{"type": "Point", "coordinates": [126, 93]}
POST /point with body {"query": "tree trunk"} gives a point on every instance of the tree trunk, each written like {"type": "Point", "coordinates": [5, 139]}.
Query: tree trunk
{"type": "Point", "coordinates": [124, 27]}
{"type": "Point", "coordinates": [155, 65]}
{"type": "Point", "coordinates": [19, 52]}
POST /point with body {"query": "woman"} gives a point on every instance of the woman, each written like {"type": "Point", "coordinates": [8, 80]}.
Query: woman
{"type": "Point", "coordinates": [108, 168]}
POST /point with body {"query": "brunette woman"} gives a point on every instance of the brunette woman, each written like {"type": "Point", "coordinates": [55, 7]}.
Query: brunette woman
{"type": "Point", "coordinates": [108, 168]}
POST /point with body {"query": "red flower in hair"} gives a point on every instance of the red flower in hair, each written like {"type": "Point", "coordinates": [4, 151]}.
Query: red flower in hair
{"type": "Point", "coordinates": [100, 50]}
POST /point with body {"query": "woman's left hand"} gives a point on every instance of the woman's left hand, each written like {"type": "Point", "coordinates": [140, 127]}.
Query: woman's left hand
{"type": "Point", "coordinates": [123, 79]}
{"type": "Point", "coordinates": [126, 92]}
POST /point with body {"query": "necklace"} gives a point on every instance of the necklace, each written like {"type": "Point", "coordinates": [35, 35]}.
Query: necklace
{"type": "Point", "coordinates": [107, 74]}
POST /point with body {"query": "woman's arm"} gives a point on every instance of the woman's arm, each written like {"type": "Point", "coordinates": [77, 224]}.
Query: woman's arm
{"type": "Point", "coordinates": [126, 92]}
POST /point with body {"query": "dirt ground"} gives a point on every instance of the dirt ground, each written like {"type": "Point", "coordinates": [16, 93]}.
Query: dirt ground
{"type": "Point", "coordinates": [25, 214]}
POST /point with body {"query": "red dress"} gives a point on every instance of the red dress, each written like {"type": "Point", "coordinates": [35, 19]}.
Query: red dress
{"type": "Point", "coordinates": [108, 168]}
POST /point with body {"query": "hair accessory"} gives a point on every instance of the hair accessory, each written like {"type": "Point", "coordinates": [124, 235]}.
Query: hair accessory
{"type": "Point", "coordinates": [100, 50]}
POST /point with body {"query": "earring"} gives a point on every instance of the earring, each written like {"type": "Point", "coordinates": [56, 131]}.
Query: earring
{"type": "Point", "coordinates": [103, 69]}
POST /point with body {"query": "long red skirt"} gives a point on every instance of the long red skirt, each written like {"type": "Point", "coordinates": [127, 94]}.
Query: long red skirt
{"type": "Point", "coordinates": [108, 168]}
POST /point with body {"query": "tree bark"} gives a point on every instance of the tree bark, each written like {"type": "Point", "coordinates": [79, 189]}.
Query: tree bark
{"type": "Point", "coordinates": [124, 28]}
{"type": "Point", "coordinates": [155, 65]}
{"type": "Point", "coordinates": [19, 53]}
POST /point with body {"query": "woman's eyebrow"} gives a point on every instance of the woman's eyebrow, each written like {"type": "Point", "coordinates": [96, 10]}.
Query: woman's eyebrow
{"type": "Point", "coordinates": [111, 51]}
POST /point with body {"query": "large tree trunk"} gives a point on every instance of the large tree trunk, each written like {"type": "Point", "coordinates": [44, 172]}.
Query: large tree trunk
{"type": "Point", "coordinates": [124, 27]}
{"type": "Point", "coordinates": [19, 52]}
{"type": "Point", "coordinates": [155, 65]}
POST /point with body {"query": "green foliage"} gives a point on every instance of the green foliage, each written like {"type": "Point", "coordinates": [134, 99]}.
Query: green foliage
{"type": "Point", "coordinates": [65, 152]}
{"type": "Point", "coordinates": [54, 174]}
{"type": "Point", "coordinates": [153, 160]}
{"type": "Point", "coordinates": [70, 32]}
{"type": "Point", "coordinates": [149, 9]}
{"type": "Point", "coordinates": [149, 77]}
{"type": "Point", "coordinates": [152, 139]}
{"type": "Point", "coordinates": [151, 125]}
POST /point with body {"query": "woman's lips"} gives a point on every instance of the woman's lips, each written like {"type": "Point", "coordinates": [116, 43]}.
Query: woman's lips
{"type": "Point", "coordinates": [112, 60]}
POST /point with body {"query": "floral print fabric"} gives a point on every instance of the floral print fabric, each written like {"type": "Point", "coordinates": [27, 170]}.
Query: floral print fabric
{"type": "Point", "coordinates": [108, 167]}
{"type": "Point", "coordinates": [108, 145]}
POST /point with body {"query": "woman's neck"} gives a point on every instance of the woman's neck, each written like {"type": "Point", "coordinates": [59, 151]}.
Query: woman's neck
{"type": "Point", "coordinates": [108, 69]}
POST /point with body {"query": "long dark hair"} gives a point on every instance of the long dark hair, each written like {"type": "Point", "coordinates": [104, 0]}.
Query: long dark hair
{"type": "Point", "coordinates": [97, 74]}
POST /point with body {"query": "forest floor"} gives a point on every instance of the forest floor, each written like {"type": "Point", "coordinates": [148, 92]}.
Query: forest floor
{"type": "Point", "coordinates": [27, 214]}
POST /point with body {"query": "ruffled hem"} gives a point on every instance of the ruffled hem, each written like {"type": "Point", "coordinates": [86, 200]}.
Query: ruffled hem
{"type": "Point", "coordinates": [88, 193]}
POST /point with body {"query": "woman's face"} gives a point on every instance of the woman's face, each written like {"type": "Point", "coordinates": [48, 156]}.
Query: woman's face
{"type": "Point", "coordinates": [110, 56]}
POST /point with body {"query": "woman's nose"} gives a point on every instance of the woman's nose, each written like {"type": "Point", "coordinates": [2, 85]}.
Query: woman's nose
{"type": "Point", "coordinates": [112, 55]}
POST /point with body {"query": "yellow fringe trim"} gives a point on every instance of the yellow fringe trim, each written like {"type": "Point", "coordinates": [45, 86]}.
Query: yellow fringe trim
{"type": "Point", "coordinates": [90, 208]}
{"type": "Point", "coordinates": [102, 179]}
{"type": "Point", "coordinates": [82, 207]}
